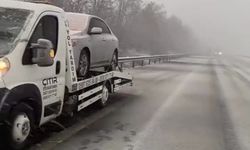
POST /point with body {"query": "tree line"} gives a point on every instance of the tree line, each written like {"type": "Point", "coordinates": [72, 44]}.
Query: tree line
{"type": "Point", "coordinates": [142, 27]}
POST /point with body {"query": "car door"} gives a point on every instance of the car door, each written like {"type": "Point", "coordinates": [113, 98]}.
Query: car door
{"type": "Point", "coordinates": [50, 79]}
{"type": "Point", "coordinates": [97, 44]}
{"type": "Point", "coordinates": [107, 42]}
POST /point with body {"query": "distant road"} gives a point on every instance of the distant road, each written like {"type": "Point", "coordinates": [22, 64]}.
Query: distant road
{"type": "Point", "coordinates": [197, 103]}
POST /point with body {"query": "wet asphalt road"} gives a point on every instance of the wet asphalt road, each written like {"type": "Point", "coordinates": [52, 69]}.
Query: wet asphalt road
{"type": "Point", "coordinates": [196, 103]}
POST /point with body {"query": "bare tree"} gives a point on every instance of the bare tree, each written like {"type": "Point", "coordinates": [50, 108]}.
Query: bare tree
{"type": "Point", "coordinates": [141, 26]}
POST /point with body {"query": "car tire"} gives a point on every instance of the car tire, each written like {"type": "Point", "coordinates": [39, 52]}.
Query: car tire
{"type": "Point", "coordinates": [21, 125]}
{"type": "Point", "coordinates": [84, 64]}
{"type": "Point", "coordinates": [114, 62]}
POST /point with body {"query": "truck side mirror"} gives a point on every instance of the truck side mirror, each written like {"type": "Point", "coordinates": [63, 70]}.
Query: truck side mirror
{"type": "Point", "coordinates": [42, 53]}
{"type": "Point", "coordinates": [96, 30]}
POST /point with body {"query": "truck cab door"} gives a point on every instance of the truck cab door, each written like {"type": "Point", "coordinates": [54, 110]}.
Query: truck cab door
{"type": "Point", "coordinates": [49, 79]}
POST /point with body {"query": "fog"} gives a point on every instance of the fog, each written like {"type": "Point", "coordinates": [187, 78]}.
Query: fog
{"type": "Point", "coordinates": [219, 24]}
{"type": "Point", "coordinates": [188, 25]}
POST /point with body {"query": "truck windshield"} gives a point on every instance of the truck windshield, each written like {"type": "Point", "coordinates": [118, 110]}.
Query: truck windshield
{"type": "Point", "coordinates": [12, 23]}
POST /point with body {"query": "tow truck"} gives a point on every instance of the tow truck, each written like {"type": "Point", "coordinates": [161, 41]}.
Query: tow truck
{"type": "Point", "coordinates": [38, 79]}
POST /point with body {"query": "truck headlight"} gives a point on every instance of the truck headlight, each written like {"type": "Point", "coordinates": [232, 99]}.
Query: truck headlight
{"type": "Point", "coordinates": [4, 66]}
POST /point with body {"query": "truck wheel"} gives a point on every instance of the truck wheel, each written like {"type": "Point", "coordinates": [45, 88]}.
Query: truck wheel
{"type": "Point", "coordinates": [105, 96]}
{"type": "Point", "coordinates": [84, 64]}
{"type": "Point", "coordinates": [21, 120]}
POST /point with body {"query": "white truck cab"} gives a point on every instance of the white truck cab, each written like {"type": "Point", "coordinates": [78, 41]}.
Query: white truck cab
{"type": "Point", "coordinates": [38, 80]}
{"type": "Point", "coordinates": [21, 76]}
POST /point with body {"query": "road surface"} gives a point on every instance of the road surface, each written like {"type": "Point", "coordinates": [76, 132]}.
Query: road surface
{"type": "Point", "coordinates": [195, 103]}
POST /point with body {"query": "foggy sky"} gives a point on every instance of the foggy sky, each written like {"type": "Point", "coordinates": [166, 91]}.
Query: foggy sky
{"type": "Point", "coordinates": [219, 24]}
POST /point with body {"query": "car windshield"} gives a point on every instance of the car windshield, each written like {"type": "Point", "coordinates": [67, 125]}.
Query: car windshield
{"type": "Point", "coordinates": [12, 23]}
{"type": "Point", "coordinates": [77, 22]}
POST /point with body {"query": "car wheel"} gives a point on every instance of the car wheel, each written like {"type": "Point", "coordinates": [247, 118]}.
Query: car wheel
{"type": "Point", "coordinates": [84, 64]}
{"type": "Point", "coordinates": [114, 62]}
{"type": "Point", "coordinates": [22, 123]}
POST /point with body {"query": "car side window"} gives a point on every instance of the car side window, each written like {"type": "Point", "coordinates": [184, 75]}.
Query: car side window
{"type": "Point", "coordinates": [92, 24]}
{"type": "Point", "coordinates": [47, 28]}
{"type": "Point", "coordinates": [95, 22]}
{"type": "Point", "coordinates": [104, 27]}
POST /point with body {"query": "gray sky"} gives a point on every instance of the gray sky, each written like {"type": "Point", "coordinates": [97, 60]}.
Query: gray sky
{"type": "Point", "coordinates": [223, 24]}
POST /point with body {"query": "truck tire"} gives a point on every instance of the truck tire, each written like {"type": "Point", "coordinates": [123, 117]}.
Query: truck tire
{"type": "Point", "coordinates": [21, 124]}
{"type": "Point", "coordinates": [84, 64]}
{"type": "Point", "coordinates": [105, 96]}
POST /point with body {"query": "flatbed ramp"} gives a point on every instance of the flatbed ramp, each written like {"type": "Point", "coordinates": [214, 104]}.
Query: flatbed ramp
{"type": "Point", "coordinates": [91, 90]}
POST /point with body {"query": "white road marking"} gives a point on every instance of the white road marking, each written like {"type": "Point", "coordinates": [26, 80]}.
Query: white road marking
{"type": "Point", "coordinates": [236, 100]}
{"type": "Point", "coordinates": [158, 115]}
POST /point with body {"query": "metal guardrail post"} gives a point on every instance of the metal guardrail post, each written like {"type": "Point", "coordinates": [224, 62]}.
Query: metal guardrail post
{"type": "Point", "coordinates": [121, 65]}
{"type": "Point", "coordinates": [133, 64]}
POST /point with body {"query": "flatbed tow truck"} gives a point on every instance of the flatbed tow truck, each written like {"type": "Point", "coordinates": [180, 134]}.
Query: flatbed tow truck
{"type": "Point", "coordinates": [38, 79]}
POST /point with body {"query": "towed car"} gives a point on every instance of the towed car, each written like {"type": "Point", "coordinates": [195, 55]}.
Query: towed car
{"type": "Point", "coordinates": [94, 43]}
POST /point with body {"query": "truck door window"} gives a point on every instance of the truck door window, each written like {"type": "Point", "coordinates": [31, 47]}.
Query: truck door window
{"type": "Point", "coordinates": [47, 28]}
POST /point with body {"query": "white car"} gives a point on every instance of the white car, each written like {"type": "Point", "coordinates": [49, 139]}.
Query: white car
{"type": "Point", "coordinates": [94, 43]}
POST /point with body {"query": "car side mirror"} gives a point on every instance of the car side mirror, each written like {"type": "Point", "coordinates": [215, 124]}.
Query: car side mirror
{"type": "Point", "coordinates": [96, 30]}
{"type": "Point", "coordinates": [42, 53]}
